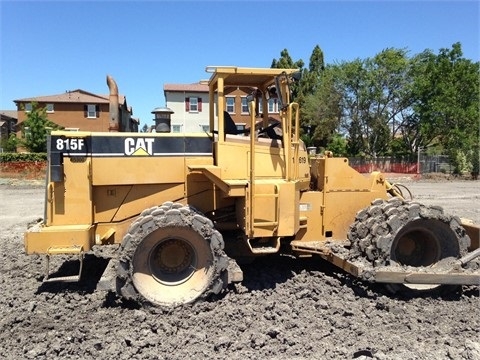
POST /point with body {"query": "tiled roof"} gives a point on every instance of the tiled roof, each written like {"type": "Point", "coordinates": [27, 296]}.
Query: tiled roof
{"type": "Point", "coordinates": [9, 113]}
{"type": "Point", "coordinates": [185, 87]}
{"type": "Point", "coordinates": [74, 96]}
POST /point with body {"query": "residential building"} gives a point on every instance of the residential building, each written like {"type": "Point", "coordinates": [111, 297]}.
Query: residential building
{"type": "Point", "coordinates": [8, 122]}
{"type": "Point", "coordinates": [190, 106]}
{"type": "Point", "coordinates": [78, 110]}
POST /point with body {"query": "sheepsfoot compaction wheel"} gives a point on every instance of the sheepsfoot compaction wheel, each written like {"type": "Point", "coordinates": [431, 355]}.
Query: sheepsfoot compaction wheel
{"type": "Point", "coordinates": [397, 232]}
{"type": "Point", "coordinates": [171, 255]}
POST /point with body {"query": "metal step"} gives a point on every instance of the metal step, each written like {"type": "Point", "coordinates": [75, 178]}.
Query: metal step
{"type": "Point", "coordinates": [270, 246]}
{"type": "Point", "coordinates": [71, 250]}
{"type": "Point", "coordinates": [256, 223]}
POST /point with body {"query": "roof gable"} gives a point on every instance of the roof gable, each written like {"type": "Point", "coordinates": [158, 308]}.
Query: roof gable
{"type": "Point", "coordinates": [12, 114]}
{"type": "Point", "coordinates": [74, 96]}
{"type": "Point", "coordinates": [186, 87]}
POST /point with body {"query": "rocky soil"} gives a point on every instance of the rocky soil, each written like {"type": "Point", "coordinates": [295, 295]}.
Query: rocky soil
{"type": "Point", "coordinates": [284, 309]}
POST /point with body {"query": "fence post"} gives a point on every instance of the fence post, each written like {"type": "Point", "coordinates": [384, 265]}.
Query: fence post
{"type": "Point", "coordinates": [418, 159]}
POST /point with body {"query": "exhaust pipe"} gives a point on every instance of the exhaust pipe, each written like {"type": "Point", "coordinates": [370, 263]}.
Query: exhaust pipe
{"type": "Point", "coordinates": [114, 121]}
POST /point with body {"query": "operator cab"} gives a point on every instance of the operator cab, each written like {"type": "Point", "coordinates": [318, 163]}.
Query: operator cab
{"type": "Point", "coordinates": [267, 89]}
{"type": "Point", "coordinates": [270, 145]}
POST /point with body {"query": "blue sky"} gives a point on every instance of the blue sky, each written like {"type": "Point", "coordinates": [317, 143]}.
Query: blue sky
{"type": "Point", "coordinates": [48, 47]}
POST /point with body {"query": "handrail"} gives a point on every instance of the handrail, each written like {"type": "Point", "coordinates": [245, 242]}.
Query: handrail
{"type": "Point", "coordinates": [251, 184]}
{"type": "Point", "coordinates": [296, 138]}
{"type": "Point", "coordinates": [291, 138]}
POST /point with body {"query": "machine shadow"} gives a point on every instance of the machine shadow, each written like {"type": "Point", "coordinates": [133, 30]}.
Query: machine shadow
{"type": "Point", "coordinates": [93, 268]}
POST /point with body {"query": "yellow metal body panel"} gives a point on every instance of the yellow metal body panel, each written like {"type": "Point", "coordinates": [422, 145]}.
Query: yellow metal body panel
{"type": "Point", "coordinates": [341, 193]}
{"type": "Point", "coordinates": [105, 180]}
{"type": "Point", "coordinates": [117, 203]}
{"type": "Point", "coordinates": [70, 202]}
{"type": "Point", "coordinates": [310, 207]}
{"type": "Point", "coordinates": [335, 174]}
{"type": "Point", "coordinates": [233, 159]}
{"type": "Point", "coordinates": [273, 213]}
{"type": "Point", "coordinates": [111, 233]}
{"type": "Point", "coordinates": [131, 170]}
{"type": "Point", "coordinates": [46, 239]}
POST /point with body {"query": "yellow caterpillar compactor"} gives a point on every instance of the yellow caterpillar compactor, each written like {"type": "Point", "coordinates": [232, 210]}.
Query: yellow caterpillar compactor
{"type": "Point", "coordinates": [184, 208]}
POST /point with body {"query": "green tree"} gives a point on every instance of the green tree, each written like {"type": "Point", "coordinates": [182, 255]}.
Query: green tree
{"type": "Point", "coordinates": [302, 91]}
{"type": "Point", "coordinates": [286, 62]}
{"type": "Point", "coordinates": [10, 144]}
{"type": "Point", "coordinates": [391, 80]}
{"type": "Point", "coordinates": [353, 85]}
{"type": "Point", "coordinates": [474, 159]}
{"type": "Point", "coordinates": [321, 111]}
{"type": "Point", "coordinates": [446, 90]}
{"type": "Point", "coordinates": [392, 104]}
{"type": "Point", "coordinates": [36, 128]}
{"type": "Point", "coordinates": [375, 101]}
{"type": "Point", "coordinates": [337, 145]}
{"type": "Point", "coordinates": [311, 77]}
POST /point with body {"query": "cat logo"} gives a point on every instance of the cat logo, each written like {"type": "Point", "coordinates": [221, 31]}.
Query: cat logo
{"type": "Point", "coordinates": [139, 146]}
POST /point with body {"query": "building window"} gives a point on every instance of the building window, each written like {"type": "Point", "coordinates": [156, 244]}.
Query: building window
{"type": "Point", "coordinates": [240, 127]}
{"type": "Point", "coordinates": [193, 104]}
{"type": "Point", "coordinates": [92, 111]}
{"type": "Point", "coordinates": [28, 107]}
{"type": "Point", "coordinates": [176, 128]}
{"type": "Point", "coordinates": [244, 105]}
{"type": "Point", "coordinates": [50, 108]}
{"type": "Point", "coordinates": [230, 104]}
{"type": "Point", "coordinates": [272, 106]}
{"type": "Point", "coordinates": [12, 126]}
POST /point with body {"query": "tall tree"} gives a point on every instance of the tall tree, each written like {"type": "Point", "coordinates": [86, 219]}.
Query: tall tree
{"type": "Point", "coordinates": [321, 111]}
{"type": "Point", "coordinates": [311, 77]}
{"type": "Point", "coordinates": [354, 84]}
{"type": "Point", "coordinates": [375, 101]}
{"type": "Point", "coordinates": [307, 85]}
{"type": "Point", "coordinates": [286, 62]}
{"type": "Point", "coordinates": [446, 90]}
{"type": "Point", "coordinates": [392, 104]}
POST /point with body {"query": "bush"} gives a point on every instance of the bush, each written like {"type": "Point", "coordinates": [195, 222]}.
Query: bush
{"type": "Point", "coordinates": [474, 157]}
{"type": "Point", "coordinates": [10, 144]}
{"type": "Point", "coordinates": [15, 157]}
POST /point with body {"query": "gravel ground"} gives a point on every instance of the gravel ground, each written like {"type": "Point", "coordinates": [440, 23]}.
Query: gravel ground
{"type": "Point", "coordinates": [284, 309]}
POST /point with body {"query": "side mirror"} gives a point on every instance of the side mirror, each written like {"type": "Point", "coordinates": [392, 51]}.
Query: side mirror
{"type": "Point", "coordinates": [296, 76]}
{"type": "Point", "coordinates": [281, 84]}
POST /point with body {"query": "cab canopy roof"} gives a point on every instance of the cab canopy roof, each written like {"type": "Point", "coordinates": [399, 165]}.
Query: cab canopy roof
{"type": "Point", "coordinates": [243, 76]}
